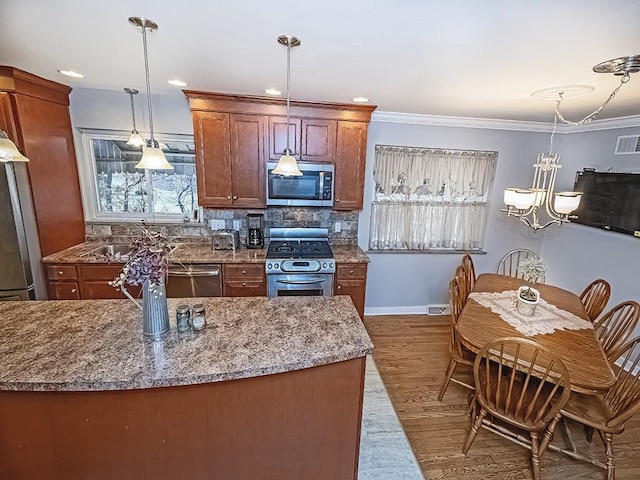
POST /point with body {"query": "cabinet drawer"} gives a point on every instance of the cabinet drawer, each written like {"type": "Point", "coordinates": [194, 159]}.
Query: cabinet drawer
{"type": "Point", "coordinates": [100, 272]}
{"type": "Point", "coordinates": [243, 271]}
{"type": "Point", "coordinates": [61, 272]}
{"type": "Point", "coordinates": [240, 288]}
{"type": "Point", "coordinates": [351, 271]}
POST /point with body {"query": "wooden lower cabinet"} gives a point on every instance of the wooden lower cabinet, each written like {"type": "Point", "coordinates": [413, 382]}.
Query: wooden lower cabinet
{"type": "Point", "coordinates": [351, 279]}
{"type": "Point", "coordinates": [64, 291]}
{"type": "Point", "coordinates": [303, 424]}
{"type": "Point", "coordinates": [84, 282]}
{"type": "Point", "coordinates": [243, 280]}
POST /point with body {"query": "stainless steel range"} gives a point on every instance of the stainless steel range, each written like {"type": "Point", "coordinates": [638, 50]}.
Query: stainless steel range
{"type": "Point", "coordinates": [299, 262]}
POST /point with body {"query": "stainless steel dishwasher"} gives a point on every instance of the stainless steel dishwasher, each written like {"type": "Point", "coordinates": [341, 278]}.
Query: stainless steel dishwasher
{"type": "Point", "coordinates": [194, 280]}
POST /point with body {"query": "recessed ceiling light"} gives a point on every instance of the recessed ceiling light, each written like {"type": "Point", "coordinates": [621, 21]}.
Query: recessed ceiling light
{"type": "Point", "coordinates": [71, 73]}
{"type": "Point", "coordinates": [178, 83]}
{"type": "Point", "coordinates": [360, 99]}
{"type": "Point", "coordinates": [273, 91]}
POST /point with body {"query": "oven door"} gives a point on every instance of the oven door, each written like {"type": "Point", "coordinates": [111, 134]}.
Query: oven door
{"type": "Point", "coordinates": [300, 284]}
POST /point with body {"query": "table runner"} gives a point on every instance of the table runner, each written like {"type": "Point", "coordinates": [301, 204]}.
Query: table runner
{"type": "Point", "coordinates": [546, 319]}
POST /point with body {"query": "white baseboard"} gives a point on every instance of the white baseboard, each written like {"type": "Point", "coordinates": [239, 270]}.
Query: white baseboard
{"type": "Point", "coordinates": [411, 310]}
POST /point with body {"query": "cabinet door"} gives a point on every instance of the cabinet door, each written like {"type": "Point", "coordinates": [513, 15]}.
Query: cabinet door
{"type": "Point", "coordinates": [318, 140]}
{"type": "Point", "coordinates": [278, 137]}
{"type": "Point", "coordinates": [351, 279]}
{"type": "Point", "coordinates": [64, 291]}
{"type": "Point", "coordinates": [247, 160]}
{"type": "Point", "coordinates": [351, 152]}
{"type": "Point", "coordinates": [213, 161]}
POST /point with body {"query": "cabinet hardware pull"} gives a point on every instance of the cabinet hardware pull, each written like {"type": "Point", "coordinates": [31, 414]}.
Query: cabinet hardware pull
{"type": "Point", "coordinates": [338, 200]}
{"type": "Point", "coordinates": [235, 197]}
{"type": "Point", "coordinates": [339, 287]}
{"type": "Point", "coordinates": [244, 284]}
{"type": "Point", "coordinates": [350, 272]}
{"type": "Point", "coordinates": [73, 290]}
{"type": "Point", "coordinates": [60, 272]}
{"type": "Point", "coordinates": [244, 272]}
{"type": "Point", "coordinates": [228, 197]}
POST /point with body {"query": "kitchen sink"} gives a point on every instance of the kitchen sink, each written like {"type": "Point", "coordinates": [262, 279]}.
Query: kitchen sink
{"type": "Point", "coordinates": [118, 251]}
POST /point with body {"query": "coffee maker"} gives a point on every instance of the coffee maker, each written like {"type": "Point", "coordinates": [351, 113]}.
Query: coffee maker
{"type": "Point", "coordinates": [255, 226]}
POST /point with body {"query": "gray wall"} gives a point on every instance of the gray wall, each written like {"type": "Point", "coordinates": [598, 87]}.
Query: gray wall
{"type": "Point", "coordinates": [407, 283]}
{"type": "Point", "coordinates": [577, 254]}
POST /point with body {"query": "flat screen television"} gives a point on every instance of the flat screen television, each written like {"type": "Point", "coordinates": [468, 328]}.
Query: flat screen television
{"type": "Point", "coordinates": [610, 201]}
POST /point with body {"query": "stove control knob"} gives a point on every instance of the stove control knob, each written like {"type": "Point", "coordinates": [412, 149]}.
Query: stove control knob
{"type": "Point", "coordinates": [276, 265]}
{"type": "Point", "coordinates": [324, 265]}
{"type": "Point", "coordinates": [331, 265]}
{"type": "Point", "coordinates": [269, 266]}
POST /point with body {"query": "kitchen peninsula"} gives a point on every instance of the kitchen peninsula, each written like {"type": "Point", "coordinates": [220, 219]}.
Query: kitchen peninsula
{"type": "Point", "coordinates": [271, 388]}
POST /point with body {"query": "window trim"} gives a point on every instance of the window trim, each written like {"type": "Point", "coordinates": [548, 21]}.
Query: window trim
{"type": "Point", "coordinates": [89, 179]}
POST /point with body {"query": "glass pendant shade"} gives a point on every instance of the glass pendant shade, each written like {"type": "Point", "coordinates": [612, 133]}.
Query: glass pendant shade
{"type": "Point", "coordinates": [524, 199]}
{"type": "Point", "coordinates": [135, 139]}
{"type": "Point", "coordinates": [287, 166]}
{"type": "Point", "coordinates": [539, 196]}
{"type": "Point", "coordinates": [153, 158]}
{"type": "Point", "coordinates": [566, 202]}
{"type": "Point", "coordinates": [510, 195]}
{"type": "Point", "coordinates": [8, 150]}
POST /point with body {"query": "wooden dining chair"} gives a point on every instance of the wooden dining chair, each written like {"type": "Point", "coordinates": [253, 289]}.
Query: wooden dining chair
{"type": "Point", "coordinates": [509, 263]}
{"type": "Point", "coordinates": [457, 352]}
{"type": "Point", "coordinates": [523, 384]}
{"type": "Point", "coordinates": [615, 326]}
{"type": "Point", "coordinates": [608, 412]}
{"type": "Point", "coordinates": [467, 265]}
{"type": "Point", "coordinates": [595, 297]}
{"type": "Point", "coordinates": [464, 283]}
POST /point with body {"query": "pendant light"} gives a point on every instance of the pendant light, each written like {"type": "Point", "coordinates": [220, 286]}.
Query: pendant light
{"type": "Point", "coordinates": [287, 165]}
{"type": "Point", "coordinates": [152, 156]}
{"type": "Point", "coordinates": [8, 150]}
{"type": "Point", "coordinates": [135, 139]}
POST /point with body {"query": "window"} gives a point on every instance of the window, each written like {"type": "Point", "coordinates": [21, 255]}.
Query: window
{"type": "Point", "coordinates": [430, 199]}
{"type": "Point", "coordinates": [120, 191]}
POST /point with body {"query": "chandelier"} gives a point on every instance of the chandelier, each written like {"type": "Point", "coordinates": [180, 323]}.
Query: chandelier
{"type": "Point", "coordinates": [526, 204]}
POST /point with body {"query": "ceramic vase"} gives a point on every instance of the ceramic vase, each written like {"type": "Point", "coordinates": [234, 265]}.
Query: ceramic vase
{"type": "Point", "coordinates": [525, 306]}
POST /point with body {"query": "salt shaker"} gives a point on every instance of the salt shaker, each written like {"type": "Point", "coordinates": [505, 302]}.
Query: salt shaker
{"type": "Point", "coordinates": [199, 319]}
{"type": "Point", "coordinates": [183, 318]}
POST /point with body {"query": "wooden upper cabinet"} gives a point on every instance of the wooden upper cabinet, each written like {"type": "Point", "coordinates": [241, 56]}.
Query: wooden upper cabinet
{"type": "Point", "coordinates": [35, 114]}
{"type": "Point", "coordinates": [231, 156]}
{"type": "Point", "coordinates": [318, 140]}
{"type": "Point", "coordinates": [351, 151]}
{"type": "Point", "coordinates": [278, 137]}
{"type": "Point", "coordinates": [247, 160]}
{"type": "Point", "coordinates": [213, 159]}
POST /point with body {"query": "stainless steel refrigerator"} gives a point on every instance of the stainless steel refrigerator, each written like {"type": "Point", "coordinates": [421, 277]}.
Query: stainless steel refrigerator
{"type": "Point", "coordinates": [21, 276]}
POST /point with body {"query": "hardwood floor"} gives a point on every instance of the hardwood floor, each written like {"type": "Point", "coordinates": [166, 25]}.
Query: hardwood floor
{"type": "Point", "coordinates": [411, 355]}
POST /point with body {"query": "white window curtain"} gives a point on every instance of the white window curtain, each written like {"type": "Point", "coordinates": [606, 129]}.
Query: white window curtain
{"type": "Point", "coordinates": [430, 199]}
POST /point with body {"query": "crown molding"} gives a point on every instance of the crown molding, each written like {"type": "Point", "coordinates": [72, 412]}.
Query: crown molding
{"type": "Point", "coordinates": [497, 124]}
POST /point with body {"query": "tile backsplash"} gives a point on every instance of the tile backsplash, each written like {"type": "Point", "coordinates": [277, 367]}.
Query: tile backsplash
{"type": "Point", "coordinates": [273, 217]}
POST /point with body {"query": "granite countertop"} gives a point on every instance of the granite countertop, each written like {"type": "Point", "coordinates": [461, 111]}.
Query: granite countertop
{"type": "Point", "coordinates": [196, 253]}
{"type": "Point", "coordinates": [83, 345]}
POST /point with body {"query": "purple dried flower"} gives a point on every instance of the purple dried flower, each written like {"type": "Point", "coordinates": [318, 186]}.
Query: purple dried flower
{"type": "Point", "coordinates": [148, 260]}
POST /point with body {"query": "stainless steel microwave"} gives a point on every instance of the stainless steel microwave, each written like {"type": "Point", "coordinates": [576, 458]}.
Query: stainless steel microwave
{"type": "Point", "coordinates": [314, 188]}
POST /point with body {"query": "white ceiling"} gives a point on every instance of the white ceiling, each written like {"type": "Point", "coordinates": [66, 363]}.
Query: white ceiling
{"type": "Point", "coordinates": [467, 58]}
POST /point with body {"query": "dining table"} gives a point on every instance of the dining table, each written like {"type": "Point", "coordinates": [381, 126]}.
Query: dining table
{"type": "Point", "coordinates": [563, 327]}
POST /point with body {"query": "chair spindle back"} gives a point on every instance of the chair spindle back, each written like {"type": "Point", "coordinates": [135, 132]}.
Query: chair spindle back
{"type": "Point", "coordinates": [615, 326]}
{"type": "Point", "coordinates": [624, 397]}
{"type": "Point", "coordinates": [595, 297]}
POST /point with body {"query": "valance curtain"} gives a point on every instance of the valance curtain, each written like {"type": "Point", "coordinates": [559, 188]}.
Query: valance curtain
{"type": "Point", "coordinates": [429, 199]}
